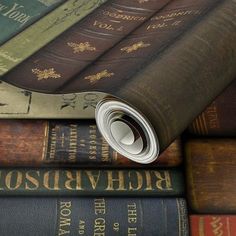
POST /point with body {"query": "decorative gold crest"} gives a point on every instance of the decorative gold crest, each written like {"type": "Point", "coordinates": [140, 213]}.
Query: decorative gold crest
{"type": "Point", "coordinates": [46, 74]}
{"type": "Point", "coordinates": [94, 78]}
{"type": "Point", "coordinates": [142, 1]}
{"type": "Point", "coordinates": [81, 47]}
{"type": "Point", "coordinates": [135, 47]}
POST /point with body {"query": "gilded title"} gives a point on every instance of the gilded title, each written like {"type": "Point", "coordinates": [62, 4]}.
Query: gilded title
{"type": "Point", "coordinates": [85, 180]}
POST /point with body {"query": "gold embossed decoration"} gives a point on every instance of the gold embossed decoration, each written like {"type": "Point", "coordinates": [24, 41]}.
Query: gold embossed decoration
{"type": "Point", "coordinates": [135, 47]}
{"type": "Point", "coordinates": [81, 47]}
{"type": "Point", "coordinates": [46, 74]}
{"type": "Point", "coordinates": [217, 226]}
{"type": "Point", "coordinates": [94, 78]}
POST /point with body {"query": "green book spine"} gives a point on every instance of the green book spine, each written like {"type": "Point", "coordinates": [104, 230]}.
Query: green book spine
{"type": "Point", "coordinates": [42, 32]}
{"type": "Point", "coordinates": [91, 182]}
{"type": "Point", "coordinates": [16, 15]}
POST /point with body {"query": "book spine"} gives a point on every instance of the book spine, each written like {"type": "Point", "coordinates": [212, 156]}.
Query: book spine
{"type": "Point", "coordinates": [136, 51]}
{"type": "Point", "coordinates": [105, 74]}
{"type": "Point", "coordinates": [68, 143]}
{"type": "Point", "coordinates": [93, 216]}
{"type": "Point", "coordinates": [211, 175]}
{"type": "Point", "coordinates": [43, 31]}
{"type": "Point", "coordinates": [218, 119]}
{"type": "Point", "coordinates": [212, 225]}
{"type": "Point", "coordinates": [91, 182]}
{"type": "Point", "coordinates": [83, 43]}
{"type": "Point", "coordinates": [16, 15]}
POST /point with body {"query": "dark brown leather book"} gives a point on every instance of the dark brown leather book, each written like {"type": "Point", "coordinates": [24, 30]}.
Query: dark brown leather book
{"type": "Point", "coordinates": [73, 143]}
{"type": "Point", "coordinates": [211, 175]}
{"type": "Point", "coordinates": [168, 70]}
{"type": "Point", "coordinates": [84, 42]}
{"type": "Point", "coordinates": [212, 225]}
{"type": "Point", "coordinates": [219, 118]}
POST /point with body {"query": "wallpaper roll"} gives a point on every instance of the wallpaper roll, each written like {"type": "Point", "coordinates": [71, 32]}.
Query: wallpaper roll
{"type": "Point", "coordinates": [155, 81]}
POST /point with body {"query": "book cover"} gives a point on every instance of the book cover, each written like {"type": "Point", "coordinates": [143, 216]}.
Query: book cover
{"type": "Point", "coordinates": [211, 175]}
{"type": "Point", "coordinates": [93, 216]}
{"type": "Point", "coordinates": [16, 15]}
{"type": "Point", "coordinates": [73, 143]}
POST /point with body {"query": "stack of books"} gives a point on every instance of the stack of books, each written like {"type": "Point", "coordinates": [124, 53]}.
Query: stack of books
{"type": "Point", "coordinates": [59, 175]}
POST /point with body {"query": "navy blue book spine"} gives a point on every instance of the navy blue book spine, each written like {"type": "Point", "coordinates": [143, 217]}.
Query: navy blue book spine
{"type": "Point", "coordinates": [93, 216]}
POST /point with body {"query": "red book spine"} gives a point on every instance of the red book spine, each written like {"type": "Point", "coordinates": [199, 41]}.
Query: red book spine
{"type": "Point", "coordinates": [213, 225]}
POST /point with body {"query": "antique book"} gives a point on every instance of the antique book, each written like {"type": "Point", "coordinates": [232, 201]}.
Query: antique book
{"type": "Point", "coordinates": [93, 216]}
{"type": "Point", "coordinates": [16, 15]}
{"type": "Point", "coordinates": [43, 31]}
{"type": "Point", "coordinates": [212, 225]}
{"type": "Point", "coordinates": [73, 143]}
{"type": "Point", "coordinates": [84, 42]}
{"type": "Point", "coordinates": [218, 119]}
{"type": "Point", "coordinates": [211, 175]}
{"type": "Point", "coordinates": [91, 182]}
{"type": "Point", "coordinates": [145, 110]}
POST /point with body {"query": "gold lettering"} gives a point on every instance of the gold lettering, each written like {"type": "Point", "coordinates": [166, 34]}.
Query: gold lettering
{"type": "Point", "coordinates": [111, 181]}
{"type": "Point", "coordinates": [64, 220]}
{"type": "Point", "coordinates": [157, 26]}
{"type": "Point", "coordinates": [138, 179]}
{"type": "Point", "coordinates": [9, 180]}
{"type": "Point", "coordinates": [123, 17]}
{"type": "Point", "coordinates": [132, 213]}
{"type": "Point", "coordinates": [1, 179]}
{"type": "Point", "coordinates": [53, 144]}
{"type": "Point", "coordinates": [93, 178]}
{"type": "Point", "coordinates": [70, 179]}
{"type": "Point", "coordinates": [148, 180]}
{"type": "Point", "coordinates": [100, 206]}
{"type": "Point", "coordinates": [132, 231]}
{"type": "Point", "coordinates": [32, 180]}
{"type": "Point", "coordinates": [81, 227]}
{"type": "Point", "coordinates": [163, 181]}
{"type": "Point", "coordinates": [102, 25]}
{"type": "Point", "coordinates": [51, 177]}
{"type": "Point", "coordinates": [99, 227]}
{"type": "Point", "coordinates": [105, 150]}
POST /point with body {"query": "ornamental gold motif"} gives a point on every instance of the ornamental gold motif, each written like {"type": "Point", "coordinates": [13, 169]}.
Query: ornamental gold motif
{"type": "Point", "coordinates": [94, 78]}
{"type": "Point", "coordinates": [46, 74]}
{"type": "Point", "coordinates": [81, 47]}
{"type": "Point", "coordinates": [135, 47]}
{"type": "Point", "coordinates": [217, 226]}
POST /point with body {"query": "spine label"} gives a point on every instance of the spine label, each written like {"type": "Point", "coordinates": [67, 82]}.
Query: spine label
{"type": "Point", "coordinates": [79, 182]}
{"type": "Point", "coordinates": [72, 142]}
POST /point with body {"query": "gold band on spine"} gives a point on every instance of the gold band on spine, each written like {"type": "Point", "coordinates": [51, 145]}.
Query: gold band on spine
{"type": "Point", "coordinates": [45, 141]}
{"type": "Point", "coordinates": [201, 226]}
